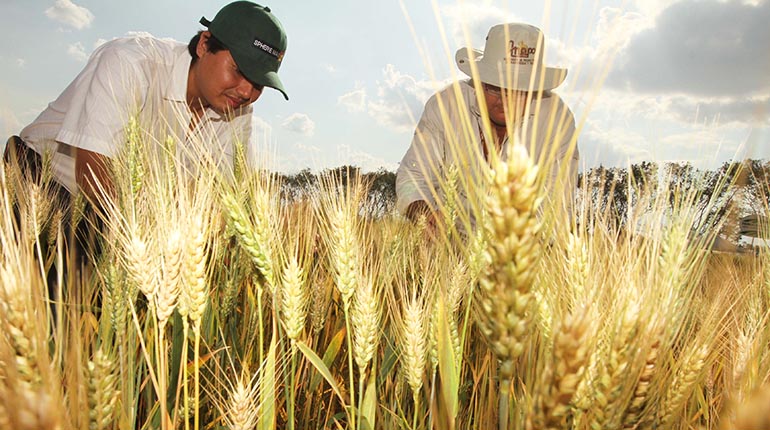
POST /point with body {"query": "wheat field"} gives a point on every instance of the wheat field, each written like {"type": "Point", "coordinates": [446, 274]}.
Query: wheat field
{"type": "Point", "coordinates": [211, 300]}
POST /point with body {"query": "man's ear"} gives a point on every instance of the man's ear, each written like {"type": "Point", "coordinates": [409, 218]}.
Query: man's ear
{"type": "Point", "coordinates": [202, 48]}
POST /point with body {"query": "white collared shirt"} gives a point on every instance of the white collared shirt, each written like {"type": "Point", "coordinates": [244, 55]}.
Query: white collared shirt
{"type": "Point", "coordinates": [450, 132]}
{"type": "Point", "coordinates": [142, 76]}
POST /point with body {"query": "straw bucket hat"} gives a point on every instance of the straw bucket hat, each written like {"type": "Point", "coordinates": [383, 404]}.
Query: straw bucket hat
{"type": "Point", "coordinates": [513, 59]}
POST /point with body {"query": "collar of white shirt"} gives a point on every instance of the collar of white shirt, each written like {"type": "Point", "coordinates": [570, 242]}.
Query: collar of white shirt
{"type": "Point", "coordinates": [176, 91]}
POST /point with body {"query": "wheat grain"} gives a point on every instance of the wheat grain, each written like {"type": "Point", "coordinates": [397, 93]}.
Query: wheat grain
{"type": "Point", "coordinates": [637, 405]}
{"type": "Point", "coordinates": [512, 252]}
{"type": "Point", "coordinates": [346, 254]}
{"type": "Point", "coordinates": [683, 383]}
{"type": "Point", "coordinates": [242, 410]}
{"type": "Point", "coordinates": [293, 299]}
{"type": "Point", "coordinates": [168, 292]}
{"type": "Point", "coordinates": [196, 290]}
{"type": "Point", "coordinates": [365, 317]}
{"type": "Point", "coordinates": [140, 265]}
{"type": "Point", "coordinates": [253, 239]}
{"type": "Point", "coordinates": [610, 383]}
{"type": "Point", "coordinates": [563, 373]}
{"type": "Point", "coordinates": [102, 391]}
{"type": "Point", "coordinates": [413, 342]}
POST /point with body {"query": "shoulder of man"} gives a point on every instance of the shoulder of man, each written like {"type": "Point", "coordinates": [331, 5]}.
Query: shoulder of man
{"type": "Point", "coordinates": [447, 95]}
{"type": "Point", "coordinates": [139, 45]}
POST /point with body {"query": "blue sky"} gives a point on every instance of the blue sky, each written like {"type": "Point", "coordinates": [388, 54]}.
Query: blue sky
{"type": "Point", "coordinates": [686, 80]}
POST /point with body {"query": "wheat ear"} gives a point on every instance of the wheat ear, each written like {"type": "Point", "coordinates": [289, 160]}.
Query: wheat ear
{"type": "Point", "coordinates": [102, 391]}
{"type": "Point", "coordinates": [635, 412]}
{"type": "Point", "coordinates": [681, 386]}
{"type": "Point", "coordinates": [345, 253]}
{"type": "Point", "coordinates": [513, 250]}
{"type": "Point", "coordinates": [365, 317]}
{"type": "Point", "coordinates": [563, 373]}
{"type": "Point", "coordinates": [196, 290]}
{"type": "Point", "coordinates": [168, 293]}
{"type": "Point", "coordinates": [253, 238]}
{"type": "Point", "coordinates": [293, 299]}
{"type": "Point", "coordinates": [610, 383]}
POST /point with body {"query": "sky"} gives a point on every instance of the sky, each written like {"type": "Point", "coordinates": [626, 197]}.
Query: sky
{"type": "Point", "coordinates": [649, 80]}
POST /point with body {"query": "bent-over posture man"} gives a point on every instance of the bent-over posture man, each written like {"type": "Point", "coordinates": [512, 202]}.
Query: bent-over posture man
{"type": "Point", "coordinates": [202, 90]}
{"type": "Point", "coordinates": [517, 92]}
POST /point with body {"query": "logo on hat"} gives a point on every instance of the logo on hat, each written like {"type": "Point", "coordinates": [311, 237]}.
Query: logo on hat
{"type": "Point", "coordinates": [268, 49]}
{"type": "Point", "coordinates": [521, 54]}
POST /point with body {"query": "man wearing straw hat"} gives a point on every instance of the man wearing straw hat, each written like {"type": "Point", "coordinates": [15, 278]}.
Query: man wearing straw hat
{"type": "Point", "coordinates": [468, 123]}
{"type": "Point", "coordinates": [195, 92]}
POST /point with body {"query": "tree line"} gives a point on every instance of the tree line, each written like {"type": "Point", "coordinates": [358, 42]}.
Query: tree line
{"type": "Point", "coordinates": [737, 189]}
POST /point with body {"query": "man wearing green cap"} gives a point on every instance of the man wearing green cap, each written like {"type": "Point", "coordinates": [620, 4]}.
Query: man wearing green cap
{"type": "Point", "coordinates": [199, 92]}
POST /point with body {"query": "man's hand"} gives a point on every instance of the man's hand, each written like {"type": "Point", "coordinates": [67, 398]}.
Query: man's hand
{"type": "Point", "coordinates": [419, 209]}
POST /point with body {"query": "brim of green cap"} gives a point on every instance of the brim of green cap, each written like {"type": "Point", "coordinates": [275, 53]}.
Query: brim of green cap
{"type": "Point", "coordinates": [258, 75]}
{"type": "Point", "coordinates": [271, 80]}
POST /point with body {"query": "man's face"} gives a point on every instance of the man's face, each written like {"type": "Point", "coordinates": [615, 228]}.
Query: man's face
{"type": "Point", "coordinates": [501, 101]}
{"type": "Point", "coordinates": [220, 84]}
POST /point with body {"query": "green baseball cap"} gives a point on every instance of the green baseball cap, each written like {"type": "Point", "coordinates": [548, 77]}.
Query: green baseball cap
{"type": "Point", "coordinates": [255, 38]}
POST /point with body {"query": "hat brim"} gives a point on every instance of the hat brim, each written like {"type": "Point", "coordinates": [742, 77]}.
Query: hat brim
{"type": "Point", "coordinates": [257, 74]}
{"type": "Point", "coordinates": [514, 77]}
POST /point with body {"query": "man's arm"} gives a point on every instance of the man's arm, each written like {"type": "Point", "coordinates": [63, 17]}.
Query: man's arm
{"type": "Point", "coordinates": [419, 169]}
{"type": "Point", "coordinates": [92, 175]}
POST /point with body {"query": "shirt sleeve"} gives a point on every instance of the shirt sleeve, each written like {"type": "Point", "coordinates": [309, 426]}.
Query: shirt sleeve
{"type": "Point", "coordinates": [567, 156]}
{"type": "Point", "coordinates": [418, 174]}
{"type": "Point", "coordinates": [102, 97]}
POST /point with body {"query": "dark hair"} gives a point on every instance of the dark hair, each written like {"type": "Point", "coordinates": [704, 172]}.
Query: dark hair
{"type": "Point", "coordinates": [212, 44]}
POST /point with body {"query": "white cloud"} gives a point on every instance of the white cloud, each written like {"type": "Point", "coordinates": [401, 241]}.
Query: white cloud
{"type": "Point", "coordinates": [400, 99]}
{"type": "Point", "coordinates": [77, 51]}
{"type": "Point", "coordinates": [476, 19]}
{"type": "Point", "coordinates": [354, 101]}
{"type": "Point", "coordinates": [611, 146]}
{"type": "Point", "coordinates": [299, 123]}
{"type": "Point", "coordinates": [704, 48]}
{"type": "Point", "coordinates": [652, 8]}
{"type": "Point", "coordinates": [21, 62]}
{"type": "Point", "coordinates": [366, 161]}
{"type": "Point", "coordinates": [261, 131]}
{"type": "Point", "coordinates": [329, 68]}
{"type": "Point", "coordinates": [70, 14]}
{"type": "Point", "coordinates": [752, 110]}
